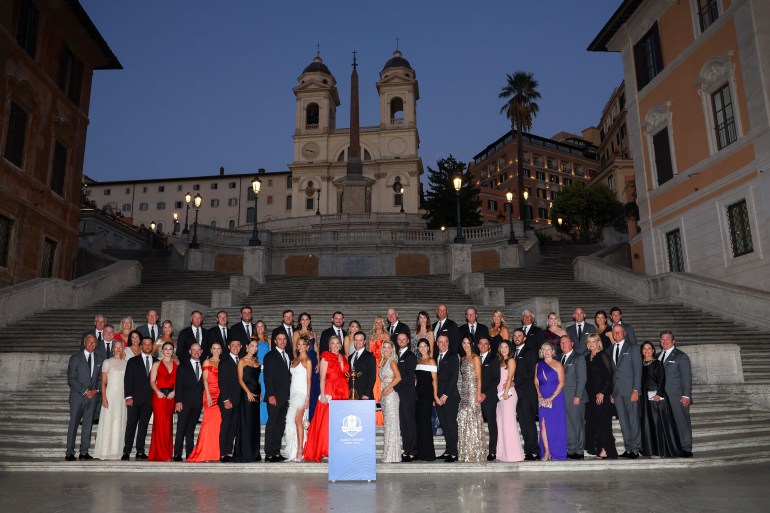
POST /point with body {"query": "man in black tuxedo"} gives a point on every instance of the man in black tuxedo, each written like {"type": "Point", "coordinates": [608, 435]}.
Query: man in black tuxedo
{"type": "Point", "coordinates": [277, 374]}
{"type": "Point", "coordinates": [100, 321]}
{"type": "Point", "coordinates": [364, 362]}
{"type": "Point", "coordinates": [188, 392]}
{"type": "Point", "coordinates": [678, 369]}
{"type": "Point", "coordinates": [616, 317]}
{"type": "Point", "coordinates": [151, 329]}
{"type": "Point", "coordinates": [490, 378]}
{"type": "Point", "coordinates": [448, 396]}
{"type": "Point", "coordinates": [136, 387]}
{"type": "Point", "coordinates": [579, 331]}
{"type": "Point", "coordinates": [448, 327]}
{"type": "Point", "coordinates": [535, 337]}
{"type": "Point", "coordinates": [243, 330]}
{"type": "Point", "coordinates": [84, 377]}
{"type": "Point", "coordinates": [286, 328]}
{"type": "Point", "coordinates": [192, 334]}
{"type": "Point", "coordinates": [219, 334]}
{"type": "Point", "coordinates": [407, 397]}
{"type": "Point", "coordinates": [524, 382]}
{"type": "Point", "coordinates": [338, 320]}
{"type": "Point", "coordinates": [397, 326]}
{"type": "Point", "coordinates": [474, 330]}
{"type": "Point", "coordinates": [229, 400]}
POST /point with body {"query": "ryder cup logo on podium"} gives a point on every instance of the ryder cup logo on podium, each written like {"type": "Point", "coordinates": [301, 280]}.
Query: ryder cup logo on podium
{"type": "Point", "coordinates": [352, 453]}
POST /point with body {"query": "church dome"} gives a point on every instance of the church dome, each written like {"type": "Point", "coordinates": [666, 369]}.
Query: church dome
{"type": "Point", "coordinates": [317, 66]}
{"type": "Point", "coordinates": [397, 61]}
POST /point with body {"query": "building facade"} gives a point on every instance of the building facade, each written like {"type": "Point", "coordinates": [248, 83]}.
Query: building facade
{"type": "Point", "coordinates": [696, 75]}
{"type": "Point", "coordinates": [49, 50]}
{"type": "Point", "coordinates": [549, 165]}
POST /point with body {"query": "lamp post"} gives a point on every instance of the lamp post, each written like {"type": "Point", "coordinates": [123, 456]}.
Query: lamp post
{"type": "Point", "coordinates": [198, 200]}
{"type": "Point", "coordinates": [402, 200]}
{"type": "Point", "coordinates": [317, 202]}
{"type": "Point", "coordinates": [187, 199]}
{"type": "Point", "coordinates": [561, 235]}
{"type": "Point", "coordinates": [509, 198]}
{"type": "Point", "coordinates": [526, 210]}
{"type": "Point", "coordinates": [457, 182]}
{"type": "Point", "coordinates": [176, 224]}
{"type": "Point", "coordinates": [256, 185]}
{"type": "Point", "coordinates": [153, 226]}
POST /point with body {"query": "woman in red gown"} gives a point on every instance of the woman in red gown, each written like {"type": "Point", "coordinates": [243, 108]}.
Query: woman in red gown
{"type": "Point", "coordinates": [333, 369]}
{"type": "Point", "coordinates": [207, 447]}
{"type": "Point", "coordinates": [162, 381]}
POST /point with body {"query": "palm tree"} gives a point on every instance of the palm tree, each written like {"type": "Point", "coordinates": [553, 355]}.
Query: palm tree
{"type": "Point", "coordinates": [521, 92]}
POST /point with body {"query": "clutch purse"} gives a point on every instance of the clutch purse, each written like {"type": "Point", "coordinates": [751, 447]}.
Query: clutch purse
{"type": "Point", "coordinates": [305, 420]}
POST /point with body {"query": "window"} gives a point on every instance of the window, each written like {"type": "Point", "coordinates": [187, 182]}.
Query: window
{"type": "Point", "coordinates": [58, 168]}
{"type": "Point", "coordinates": [49, 256]}
{"type": "Point", "coordinates": [6, 229]}
{"type": "Point", "coordinates": [70, 74]}
{"type": "Point", "coordinates": [288, 182]}
{"type": "Point", "coordinates": [17, 132]}
{"type": "Point", "coordinates": [309, 204]}
{"type": "Point", "coordinates": [126, 207]}
{"type": "Point", "coordinates": [159, 227]}
{"type": "Point", "coordinates": [648, 57]}
{"type": "Point", "coordinates": [250, 194]}
{"type": "Point", "coordinates": [161, 188]}
{"type": "Point", "coordinates": [178, 188]}
{"type": "Point", "coordinates": [662, 150]}
{"type": "Point", "coordinates": [196, 187]}
{"type": "Point", "coordinates": [26, 32]}
{"type": "Point", "coordinates": [232, 202]}
{"type": "Point", "coordinates": [529, 212]}
{"type": "Point", "coordinates": [106, 192]}
{"type": "Point", "coordinates": [231, 185]}
{"type": "Point", "coordinates": [396, 111]}
{"type": "Point", "coordinates": [551, 163]}
{"type": "Point", "coordinates": [611, 183]}
{"type": "Point", "coordinates": [214, 203]}
{"type": "Point", "coordinates": [143, 206]}
{"type": "Point", "coordinates": [213, 223]}
{"type": "Point", "coordinates": [537, 161]}
{"type": "Point", "coordinates": [540, 175]}
{"type": "Point", "coordinates": [579, 171]}
{"type": "Point", "coordinates": [177, 204]}
{"type": "Point", "coordinates": [674, 249]}
{"type": "Point", "coordinates": [214, 186]}
{"type": "Point", "coordinates": [88, 193]}
{"type": "Point", "coordinates": [565, 167]}
{"type": "Point", "coordinates": [269, 182]}
{"type": "Point", "coordinates": [708, 12]}
{"type": "Point", "coordinates": [492, 204]}
{"type": "Point", "coordinates": [542, 213]}
{"type": "Point", "coordinates": [312, 116]}
{"type": "Point", "coordinates": [554, 179]}
{"type": "Point", "coordinates": [250, 215]}
{"type": "Point", "coordinates": [288, 202]}
{"type": "Point", "coordinates": [527, 172]}
{"type": "Point", "coordinates": [724, 119]}
{"type": "Point", "coordinates": [567, 181]}
{"type": "Point", "coordinates": [161, 205]}
{"type": "Point", "coordinates": [144, 189]}
{"type": "Point", "coordinates": [231, 224]}
{"type": "Point", "coordinates": [740, 230]}
{"type": "Point", "coordinates": [128, 190]}
{"type": "Point", "coordinates": [269, 200]}
{"type": "Point", "coordinates": [541, 193]}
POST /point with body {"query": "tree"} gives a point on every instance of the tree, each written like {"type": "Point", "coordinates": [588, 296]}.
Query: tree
{"type": "Point", "coordinates": [441, 198]}
{"type": "Point", "coordinates": [586, 209]}
{"type": "Point", "coordinates": [521, 91]}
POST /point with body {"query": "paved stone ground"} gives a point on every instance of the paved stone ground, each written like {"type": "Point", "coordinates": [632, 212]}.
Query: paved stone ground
{"type": "Point", "coordinates": [736, 488]}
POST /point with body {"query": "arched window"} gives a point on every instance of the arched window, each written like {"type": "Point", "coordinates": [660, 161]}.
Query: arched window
{"type": "Point", "coordinates": [288, 202]}
{"type": "Point", "coordinates": [367, 155]}
{"type": "Point", "coordinates": [159, 227]}
{"type": "Point", "coordinates": [396, 110]}
{"type": "Point", "coordinates": [312, 115]}
{"type": "Point", "coordinates": [231, 224]}
{"type": "Point", "coordinates": [213, 223]}
{"type": "Point", "coordinates": [341, 157]}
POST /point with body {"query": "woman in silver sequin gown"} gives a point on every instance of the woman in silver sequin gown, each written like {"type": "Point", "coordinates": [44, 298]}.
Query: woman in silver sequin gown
{"type": "Point", "coordinates": [472, 440]}
{"type": "Point", "coordinates": [389, 378]}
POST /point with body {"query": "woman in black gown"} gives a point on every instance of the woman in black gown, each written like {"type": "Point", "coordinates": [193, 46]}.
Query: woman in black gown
{"type": "Point", "coordinates": [659, 434]}
{"type": "Point", "coordinates": [603, 328]}
{"type": "Point", "coordinates": [599, 439]}
{"type": "Point", "coordinates": [247, 437]}
{"type": "Point", "coordinates": [427, 386]}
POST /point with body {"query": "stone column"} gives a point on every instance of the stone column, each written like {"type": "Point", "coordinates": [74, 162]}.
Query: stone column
{"type": "Point", "coordinates": [254, 263]}
{"type": "Point", "coordinates": [458, 260]}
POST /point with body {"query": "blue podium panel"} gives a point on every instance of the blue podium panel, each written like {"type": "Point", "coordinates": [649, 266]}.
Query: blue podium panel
{"type": "Point", "coordinates": [352, 452]}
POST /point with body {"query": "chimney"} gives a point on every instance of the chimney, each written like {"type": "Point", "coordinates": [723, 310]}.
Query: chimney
{"type": "Point", "coordinates": [221, 170]}
{"type": "Point", "coordinates": [261, 171]}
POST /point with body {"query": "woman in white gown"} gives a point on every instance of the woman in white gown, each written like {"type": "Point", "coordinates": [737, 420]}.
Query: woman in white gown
{"type": "Point", "coordinates": [299, 401]}
{"type": "Point", "coordinates": [112, 423]}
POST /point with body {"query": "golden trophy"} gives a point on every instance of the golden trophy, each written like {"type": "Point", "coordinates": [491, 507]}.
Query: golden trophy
{"type": "Point", "coordinates": [352, 375]}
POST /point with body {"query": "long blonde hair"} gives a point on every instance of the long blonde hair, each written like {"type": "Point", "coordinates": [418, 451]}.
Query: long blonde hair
{"type": "Point", "coordinates": [393, 353]}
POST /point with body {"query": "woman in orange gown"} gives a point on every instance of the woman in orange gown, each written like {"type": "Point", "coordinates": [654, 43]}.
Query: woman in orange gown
{"type": "Point", "coordinates": [163, 381]}
{"type": "Point", "coordinates": [379, 334]}
{"type": "Point", "coordinates": [333, 369]}
{"type": "Point", "coordinates": [207, 447]}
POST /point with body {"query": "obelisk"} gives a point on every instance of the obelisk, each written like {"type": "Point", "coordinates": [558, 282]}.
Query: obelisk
{"type": "Point", "coordinates": [354, 184]}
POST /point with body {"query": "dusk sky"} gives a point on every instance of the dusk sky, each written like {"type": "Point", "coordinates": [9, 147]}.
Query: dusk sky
{"type": "Point", "coordinates": [209, 83]}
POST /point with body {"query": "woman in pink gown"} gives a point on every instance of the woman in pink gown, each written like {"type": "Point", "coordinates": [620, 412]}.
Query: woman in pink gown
{"type": "Point", "coordinates": [508, 440]}
{"type": "Point", "coordinates": [207, 447]}
{"type": "Point", "coordinates": [163, 381]}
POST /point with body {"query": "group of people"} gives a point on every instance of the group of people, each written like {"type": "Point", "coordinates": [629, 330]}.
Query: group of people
{"type": "Point", "coordinates": [484, 388]}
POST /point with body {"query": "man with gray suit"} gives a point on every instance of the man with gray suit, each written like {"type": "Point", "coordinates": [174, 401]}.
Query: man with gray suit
{"type": "Point", "coordinates": [678, 388]}
{"type": "Point", "coordinates": [579, 331]}
{"type": "Point", "coordinates": [84, 374]}
{"type": "Point", "coordinates": [616, 317]}
{"type": "Point", "coordinates": [575, 397]}
{"type": "Point", "coordinates": [627, 381]}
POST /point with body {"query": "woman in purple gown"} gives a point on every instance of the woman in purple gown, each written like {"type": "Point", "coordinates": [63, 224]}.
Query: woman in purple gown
{"type": "Point", "coordinates": [549, 382]}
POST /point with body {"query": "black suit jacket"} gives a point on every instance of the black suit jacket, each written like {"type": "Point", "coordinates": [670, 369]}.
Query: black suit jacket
{"type": "Point", "coordinates": [186, 339]}
{"type": "Point", "coordinates": [214, 335]}
{"type": "Point", "coordinates": [447, 376]}
{"type": "Point", "coordinates": [280, 329]}
{"type": "Point", "coordinates": [229, 388]}
{"type": "Point", "coordinates": [490, 378]}
{"type": "Point", "coordinates": [136, 383]}
{"type": "Point", "coordinates": [535, 339]}
{"type": "Point", "coordinates": [277, 377]}
{"type": "Point", "coordinates": [524, 377]}
{"type": "Point", "coordinates": [238, 332]}
{"type": "Point", "coordinates": [188, 389]}
{"type": "Point", "coordinates": [481, 332]}
{"type": "Point", "coordinates": [323, 344]}
{"type": "Point", "coordinates": [407, 364]}
{"type": "Point", "coordinates": [400, 328]}
{"type": "Point", "coordinates": [449, 328]}
{"type": "Point", "coordinates": [366, 364]}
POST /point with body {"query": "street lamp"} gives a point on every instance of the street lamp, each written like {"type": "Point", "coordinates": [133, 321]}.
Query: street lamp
{"type": "Point", "coordinates": [153, 226]}
{"type": "Point", "coordinates": [526, 210]}
{"type": "Point", "coordinates": [198, 200]}
{"type": "Point", "coordinates": [176, 224]}
{"type": "Point", "coordinates": [509, 198]}
{"type": "Point", "coordinates": [561, 235]}
{"type": "Point", "coordinates": [402, 200]}
{"type": "Point", "coordinates": [317, 202]}
{"type": "Point", "coordinates": [457, 182]}
{"type": "Point", "coordinates": [187, 199]}
{"type": "Point", "coordinates": [256, 185]}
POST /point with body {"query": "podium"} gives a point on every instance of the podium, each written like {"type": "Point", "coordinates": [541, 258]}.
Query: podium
{"type": "Point", "coordinates": [352, 439]}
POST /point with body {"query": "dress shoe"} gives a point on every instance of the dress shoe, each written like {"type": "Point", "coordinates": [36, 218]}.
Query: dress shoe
{"type": "Point", "coordinates": [281, 457]}
{"type": "Point", "coordinates": [226, 459]}
{"type": "Point", "coordinates": [531, 457]}
{"type": "Point", "coordinates": [576, 456]}
{"type": "Point", "coordinates": [125, 457]}
{"type": "Point", "coordinates": [275, 458]}
{"type": "Point", "coordinates": [632, 455]}
{"type": "Point", "coordinates": [491, 457]}
{"type": "Point", "coordinates": [686, 454]}
{"type": "Point", "coordinates": [141, 456]}
{"type": "Point", "coordinates": [176, 458]}
{"type": "Point", "coordinates": [451, 459]}
{"type": "Point", "coordinates": [625, 454]}
{"type": "Point", "coordinates": [442, 457]}
{"type": "Point", "coordinates": [85, 456]}
{"type": "Point", "coordinates": [258, 458]}
{"type": "Point", "coordinates": [408, 458]}
{"type": "Point", "coordinates": [70, 457]}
